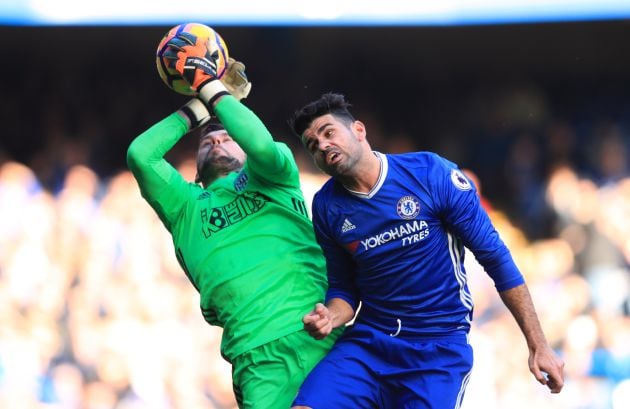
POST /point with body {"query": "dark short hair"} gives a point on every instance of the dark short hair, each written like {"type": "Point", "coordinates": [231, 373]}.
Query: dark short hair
{"type": "Point", "coordinates": [329, 103]}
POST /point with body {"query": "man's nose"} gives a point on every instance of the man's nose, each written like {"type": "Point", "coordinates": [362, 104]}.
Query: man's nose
{"type": "Point", "coordinates": [323, 145]}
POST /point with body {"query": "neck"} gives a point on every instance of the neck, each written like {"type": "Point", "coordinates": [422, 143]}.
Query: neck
{"type": "Point", "coordinates": [365, 176]}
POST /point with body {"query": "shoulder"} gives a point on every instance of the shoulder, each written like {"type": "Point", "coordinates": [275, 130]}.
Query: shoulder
{"type": "Point", "coordinates": [442, 171]}
{"type": "Point", "coordinates": [436, 169]}
{"type": "Point", "coordinates": [328, 191]}
{"type": "Point", "coordinates": [429, 164]}
{"type": "Point", "coordinates": [284, 148]}
{"type": "Point", "coordinates": [286, 152]}
{"type": "Point", "coordinates": [330, 196]}
{"type": "Point", "coordinates": [430, 160]}
{"type": "Point", "coordinates": [277, 150]}
{"type": "Point", "coordinates": [275, 164]}
{"type": "Point", "coordinates": [417, 159]}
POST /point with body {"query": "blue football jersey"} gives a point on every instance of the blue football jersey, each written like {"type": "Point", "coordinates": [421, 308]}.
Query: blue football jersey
{"type": "Point", "coordinates": [399, 249]}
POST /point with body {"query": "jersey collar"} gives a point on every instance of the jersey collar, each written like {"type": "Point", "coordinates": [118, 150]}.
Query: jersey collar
{"type": "Point", "coordinates": [379, 182]}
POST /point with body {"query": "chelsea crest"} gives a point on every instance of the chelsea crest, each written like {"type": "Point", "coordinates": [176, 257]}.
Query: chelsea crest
{"type": "Point", "coordinates": [408, 207]}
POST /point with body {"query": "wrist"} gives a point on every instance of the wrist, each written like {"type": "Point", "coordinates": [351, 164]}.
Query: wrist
{"type": "Point", "coordinates": [195, 112]}
{"type": "Point", "coordinates": [340, 312]}
{"type": "Point", "coordinates": [211, 91]}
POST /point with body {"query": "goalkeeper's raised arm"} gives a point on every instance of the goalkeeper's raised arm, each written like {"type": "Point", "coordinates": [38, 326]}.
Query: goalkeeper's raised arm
{"type": "Point", "coordinates": [197, 65]}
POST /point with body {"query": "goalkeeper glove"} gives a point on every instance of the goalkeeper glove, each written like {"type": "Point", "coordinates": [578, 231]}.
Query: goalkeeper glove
{"type": "Point", "coordinates": [191, 58]}
{"type": "Point", "coordinates": [196, 112]}
{"type": "Point", "coordinates": [235, 79]}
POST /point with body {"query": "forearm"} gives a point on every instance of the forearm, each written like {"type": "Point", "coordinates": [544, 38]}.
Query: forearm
{"type": "Point", "coordinates": [518, 300]}
{"type": "Point", "coordinates": [158, 179]}
{"type": "Point", "coordinates": [244, 126]}
{"type": "Point", "coordinates": [150, 146]}
{"type": "Point", "coordinates": [340, 312]}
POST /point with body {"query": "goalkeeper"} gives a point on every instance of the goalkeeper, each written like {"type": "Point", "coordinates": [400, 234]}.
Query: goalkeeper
{"type": "Point", "coordinates": [243, 236]}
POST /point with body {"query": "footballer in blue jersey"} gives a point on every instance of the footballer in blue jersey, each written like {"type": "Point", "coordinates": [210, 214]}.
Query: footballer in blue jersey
{"type": "Point", "coordinates": [393, 229]}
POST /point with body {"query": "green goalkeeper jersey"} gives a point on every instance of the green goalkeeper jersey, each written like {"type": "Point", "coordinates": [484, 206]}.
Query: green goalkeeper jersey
{"type": "Point", "coordinates": [245, 242]}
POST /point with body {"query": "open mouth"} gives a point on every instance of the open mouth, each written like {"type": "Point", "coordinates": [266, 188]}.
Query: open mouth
{"type": "Point", "coordinates": [332, 157]}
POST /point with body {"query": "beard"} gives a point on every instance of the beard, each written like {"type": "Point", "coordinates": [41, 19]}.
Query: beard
{"type": "Point", "coordinates": [341, 167]}
{"type": "Point", "coordinates": [217, 163]}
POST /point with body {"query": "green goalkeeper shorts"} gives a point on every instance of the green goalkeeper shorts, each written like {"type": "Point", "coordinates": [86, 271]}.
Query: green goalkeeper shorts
{"type": "Point", "coordinates": [268, 377]}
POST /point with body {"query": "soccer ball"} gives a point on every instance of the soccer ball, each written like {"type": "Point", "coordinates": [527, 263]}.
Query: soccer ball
{"type": "Point", "coordinates": [170, 76]}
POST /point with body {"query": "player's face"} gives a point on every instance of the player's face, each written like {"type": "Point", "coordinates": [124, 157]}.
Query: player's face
{"type": "Point", "coordinates": [334, 144]}
{"type": "Point", "coordinates": [218, 154]}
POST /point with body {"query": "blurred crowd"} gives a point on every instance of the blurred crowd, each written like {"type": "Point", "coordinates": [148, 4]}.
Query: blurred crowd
{"type": "Point", "coordinates": [96, 313]}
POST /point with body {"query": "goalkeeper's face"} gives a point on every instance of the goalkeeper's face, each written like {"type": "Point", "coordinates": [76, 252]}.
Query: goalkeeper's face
{"type": "Point", "coordinates": [217, 156]}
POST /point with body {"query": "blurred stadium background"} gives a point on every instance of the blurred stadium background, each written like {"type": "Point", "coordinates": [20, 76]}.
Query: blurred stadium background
{"type": "Point", "coordinates": [532, 98]}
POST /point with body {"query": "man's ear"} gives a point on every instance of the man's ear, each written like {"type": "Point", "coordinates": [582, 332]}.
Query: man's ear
{"type": "Point", "coordinates": [359, 130]}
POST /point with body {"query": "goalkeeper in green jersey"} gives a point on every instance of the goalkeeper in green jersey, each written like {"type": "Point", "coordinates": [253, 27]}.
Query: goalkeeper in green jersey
{"type": "Point", "coordinates": [243, 237]}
